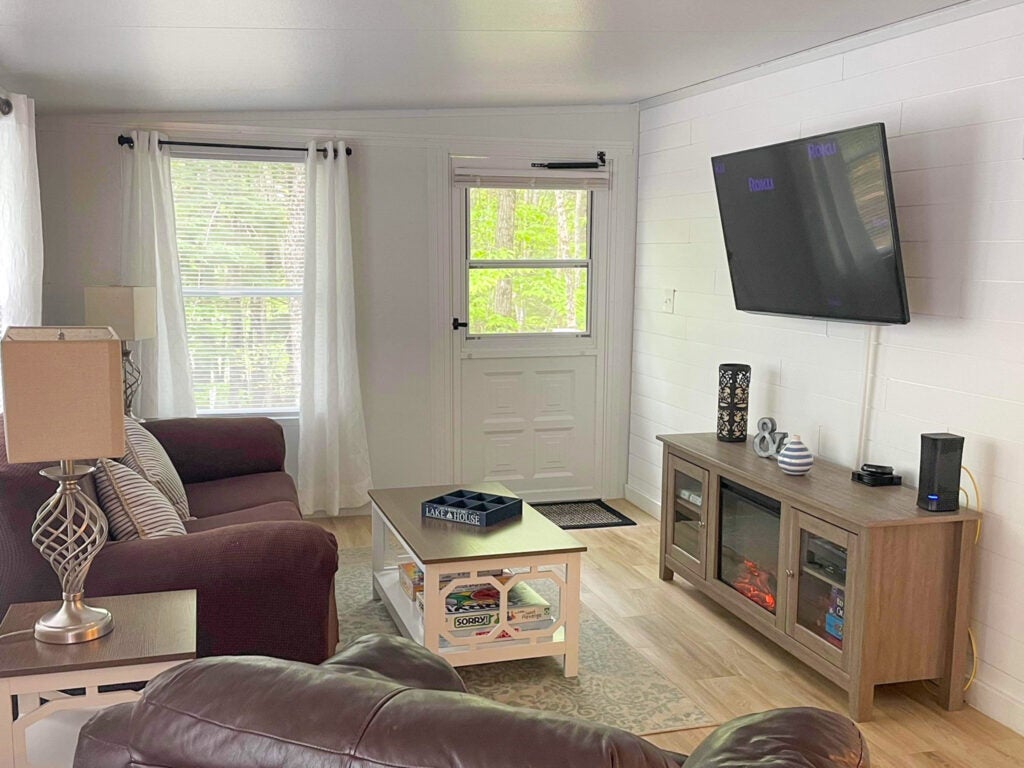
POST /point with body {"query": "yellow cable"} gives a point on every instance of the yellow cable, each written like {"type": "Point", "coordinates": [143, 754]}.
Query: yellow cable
{"type": "Point", "coordinates": [977, 500]}
{"type": "Point", "coordinates": [974, 658]}
{"type": "Point", "coordinates": [977, 536]}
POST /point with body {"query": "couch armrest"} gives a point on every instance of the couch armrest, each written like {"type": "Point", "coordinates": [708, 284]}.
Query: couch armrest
{"type": "Point", "coordinates": [799, 737]}
{"type": "Point", "coordinates": [398, 659]}
{"type": "Point", "coordinates": [103, 742]}
{"type": "Point", "coordinates": [263, 588]}
{"type": "Point", "coordinates": [214, 448]}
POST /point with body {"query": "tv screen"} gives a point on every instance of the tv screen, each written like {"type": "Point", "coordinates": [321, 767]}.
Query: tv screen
{"type": "Point", "coordinates": [810, 228]}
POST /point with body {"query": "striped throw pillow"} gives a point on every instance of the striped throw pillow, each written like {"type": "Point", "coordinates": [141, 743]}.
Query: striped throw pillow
{"type": "Point", "coordinates": [146, 456]}
{"type": "Point", "coordinates": [135, 509]}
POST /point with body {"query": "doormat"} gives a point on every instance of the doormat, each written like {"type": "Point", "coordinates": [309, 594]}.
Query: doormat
{"type": "Point", "coordinates": [569, 515]}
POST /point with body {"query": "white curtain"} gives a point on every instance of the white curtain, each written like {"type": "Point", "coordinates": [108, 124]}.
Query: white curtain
{"type": "Point", "coordinates": [21, 227]}
{"type": "Point", "coordinates": [149, 256]}
{"type": "Point", "coordinates": [334, 461]}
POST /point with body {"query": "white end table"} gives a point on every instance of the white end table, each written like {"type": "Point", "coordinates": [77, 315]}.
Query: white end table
{"type": "Point", "coordinates": [152, 633]}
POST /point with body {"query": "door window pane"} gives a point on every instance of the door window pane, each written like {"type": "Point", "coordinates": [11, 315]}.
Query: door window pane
{"type": "Point", "coordinates": [528, 224]}
{"type": "Point", "coordinates": [536, 300]}
{"type": "Point", "coordinates": [528, 261]}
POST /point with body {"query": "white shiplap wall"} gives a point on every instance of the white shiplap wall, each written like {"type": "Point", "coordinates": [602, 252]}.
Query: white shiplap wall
{"type": "Point", "coordinates": [952, 99]}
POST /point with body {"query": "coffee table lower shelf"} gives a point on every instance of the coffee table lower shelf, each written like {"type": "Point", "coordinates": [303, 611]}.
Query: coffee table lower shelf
{"type": "Point", "coordinates": [410, 623]}
{"type": "Point", "coordinates": [426, 629]}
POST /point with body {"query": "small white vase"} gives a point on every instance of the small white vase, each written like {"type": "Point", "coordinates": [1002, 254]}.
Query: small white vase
{"type": "Point", "coordinates": [795, 458]}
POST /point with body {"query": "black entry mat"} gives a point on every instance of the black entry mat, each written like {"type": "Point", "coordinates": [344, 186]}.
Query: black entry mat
{"type": "Point", "coordinates": [582, 514]}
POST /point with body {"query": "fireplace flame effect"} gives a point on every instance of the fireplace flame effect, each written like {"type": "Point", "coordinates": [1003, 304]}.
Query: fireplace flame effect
{"type": "Point", "coordinates": [757, 585]}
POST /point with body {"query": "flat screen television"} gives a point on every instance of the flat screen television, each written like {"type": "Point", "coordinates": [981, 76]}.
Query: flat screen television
{"type": "Point", "coordinates": [810, 228]}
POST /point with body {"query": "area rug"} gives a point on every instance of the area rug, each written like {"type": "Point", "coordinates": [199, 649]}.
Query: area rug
{"type": "Point", "coordinates": [616, 685]}
{"type": "Point", "coordinates": [582, 514]}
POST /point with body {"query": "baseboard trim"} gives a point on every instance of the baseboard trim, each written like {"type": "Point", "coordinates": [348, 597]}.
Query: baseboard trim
{"type": "Point", "coordinates": [651, 506]}
{"type": "Point", "coordinates": [997, 704]}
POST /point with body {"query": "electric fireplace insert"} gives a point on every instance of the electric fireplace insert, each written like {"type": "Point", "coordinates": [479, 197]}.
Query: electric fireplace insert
{"type": "Point", "coordinates": [748, 543]}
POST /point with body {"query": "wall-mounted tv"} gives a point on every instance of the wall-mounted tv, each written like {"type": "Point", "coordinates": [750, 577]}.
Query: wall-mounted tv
{"type": "Point", "coordinates": [810, 228]}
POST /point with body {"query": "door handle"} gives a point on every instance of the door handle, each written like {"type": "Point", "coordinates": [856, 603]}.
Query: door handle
{"type": "Point", "coordinates": [456, 324]}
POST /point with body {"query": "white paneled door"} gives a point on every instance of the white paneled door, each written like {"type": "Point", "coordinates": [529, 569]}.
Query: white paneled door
{"type": "Point", "coordinates": [529, 422]}
{"type": "Point", "coordinates": [530, 261]}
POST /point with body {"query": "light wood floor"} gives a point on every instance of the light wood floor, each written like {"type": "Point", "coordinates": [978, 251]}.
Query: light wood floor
{"type": "Point", "coordinates": [730, 670]}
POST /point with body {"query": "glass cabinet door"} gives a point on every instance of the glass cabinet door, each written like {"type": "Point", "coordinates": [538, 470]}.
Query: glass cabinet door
{"type": "Point", "coordinates": [687, 513]}
{"type": "Point", "coordinates": [820, 574]}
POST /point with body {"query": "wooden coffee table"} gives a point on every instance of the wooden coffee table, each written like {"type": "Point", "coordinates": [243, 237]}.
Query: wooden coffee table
{"type": "Point", "coordinates": [532, 547]}
{"type": "Point", "coordinates": [152, 633]}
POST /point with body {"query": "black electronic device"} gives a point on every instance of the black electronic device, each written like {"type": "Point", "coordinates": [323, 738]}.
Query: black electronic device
{"type": "Point", "coordinates": [827, 557]}
{"type": "Point", "coordinates": [810, 228]}
{"type": "Point", "coordinates": [876, 469]}
{"type": "Point", "coordinates": [876, 475]}
{"type": "Point", "coordinates": [939, 482]}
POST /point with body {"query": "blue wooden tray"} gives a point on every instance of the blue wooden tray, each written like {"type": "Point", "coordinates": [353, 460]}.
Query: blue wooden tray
{"type": "Point", "coordinates": [472, 508]}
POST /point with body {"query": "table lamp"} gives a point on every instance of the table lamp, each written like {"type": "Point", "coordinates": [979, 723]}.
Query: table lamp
{"type": "Point", "coordinates": [62, 395]}
{"type": "Point", "coordinates": [130, 310]}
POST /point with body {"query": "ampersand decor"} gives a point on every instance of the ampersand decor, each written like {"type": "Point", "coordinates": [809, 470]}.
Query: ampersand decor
{"type": "Point", "coordinates": [768, 442]}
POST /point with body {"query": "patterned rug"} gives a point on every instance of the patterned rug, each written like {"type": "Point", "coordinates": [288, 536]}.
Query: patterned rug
{"type": "Point", "coordinates": [616, 685]}
{"type": "Point", "coordinates": [582, 514]}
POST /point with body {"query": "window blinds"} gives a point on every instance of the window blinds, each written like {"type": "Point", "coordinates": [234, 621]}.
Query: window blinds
{"type": "Point", "coordinates": [532, 178]}
{"type": "Point", "coordinates": [241, 229]}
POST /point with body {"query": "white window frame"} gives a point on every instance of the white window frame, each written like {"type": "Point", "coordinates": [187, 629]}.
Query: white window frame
{"type": "Point", "coordinates": [218, 153]}
{"type": "Point", "coordinates": [516, 173]}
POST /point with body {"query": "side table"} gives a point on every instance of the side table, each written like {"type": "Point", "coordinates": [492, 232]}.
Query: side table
{"type": "Point", "coordinates": [152, 633]}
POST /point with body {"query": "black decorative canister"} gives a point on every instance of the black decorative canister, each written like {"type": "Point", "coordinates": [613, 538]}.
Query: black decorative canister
{"type": "Point", "coordinates": [733, 399]}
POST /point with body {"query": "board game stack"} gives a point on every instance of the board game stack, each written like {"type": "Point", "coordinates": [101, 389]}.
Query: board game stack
{"type": "Point", "coordinates": [478, 607]}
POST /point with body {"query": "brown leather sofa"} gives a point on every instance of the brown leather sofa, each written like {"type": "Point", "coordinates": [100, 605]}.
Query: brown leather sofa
{"type": "Point", "coordinates": [264, 577]}
{"type": "Point", "coordinates": [384, 702]}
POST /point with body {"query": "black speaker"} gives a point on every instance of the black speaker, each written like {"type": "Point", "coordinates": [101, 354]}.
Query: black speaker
{"type": "Point", "coordinates": [939, 483]}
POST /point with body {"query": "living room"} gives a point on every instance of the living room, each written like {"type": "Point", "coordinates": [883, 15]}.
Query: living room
{"type": "Point", "coordinates": [446, 111]}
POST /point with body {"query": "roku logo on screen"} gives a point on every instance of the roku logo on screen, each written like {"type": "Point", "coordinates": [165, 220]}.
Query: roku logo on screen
{"type": "Point", "coordinates": [760, 185]}
{"type": "Point", "coordinates": [825, 149]}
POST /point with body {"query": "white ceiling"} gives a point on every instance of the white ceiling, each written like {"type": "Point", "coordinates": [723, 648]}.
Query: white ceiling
{"type": "Point", "coordinates": [100, 55]}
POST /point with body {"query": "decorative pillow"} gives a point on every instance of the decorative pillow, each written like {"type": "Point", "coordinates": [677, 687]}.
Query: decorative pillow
{"type": "Point", "coordinates": [135, 509]}
{"type": "Point", "coordinates": [146, 456]}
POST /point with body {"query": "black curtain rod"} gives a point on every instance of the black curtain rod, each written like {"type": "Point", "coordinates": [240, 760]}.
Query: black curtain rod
{"type": "Point", "coordinates": [128, 141]}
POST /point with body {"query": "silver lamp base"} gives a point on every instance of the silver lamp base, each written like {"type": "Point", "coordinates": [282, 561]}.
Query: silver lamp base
{"type": "Point", "coordinates": [73, 622]}
{"type": "Point", "coordinates": [69, 532]}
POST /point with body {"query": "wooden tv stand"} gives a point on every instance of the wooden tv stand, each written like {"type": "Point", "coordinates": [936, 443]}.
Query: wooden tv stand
{"type": "Point", "coordinates": [861, 585]}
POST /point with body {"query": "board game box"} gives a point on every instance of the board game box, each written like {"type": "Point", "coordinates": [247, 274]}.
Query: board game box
{"type": "Point", "coordinates": [410, 577]}
{"type": "Point", "coordinates": [835, 617]}
{"type": "Point", "coordinates": [508, 633]}
{"type": "Point", "coordinates": [479, 606]}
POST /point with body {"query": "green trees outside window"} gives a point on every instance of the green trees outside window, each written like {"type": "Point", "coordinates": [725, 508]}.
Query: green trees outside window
{"type": "Point", "coordinates": [241, 230]}
{"type": "Point", "coordinates": [529, 260]}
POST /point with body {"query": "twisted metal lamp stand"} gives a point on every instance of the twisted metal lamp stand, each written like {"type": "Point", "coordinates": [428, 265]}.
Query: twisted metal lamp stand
{"type": "Point", "coordinates": [132, 378]}
{"type": "Point", "coordinates": [69, 531]}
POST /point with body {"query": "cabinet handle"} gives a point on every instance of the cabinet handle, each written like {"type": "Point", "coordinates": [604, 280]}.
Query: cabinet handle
{"type": "Point", "coordinates": [790, 573]}
{"type": "Point", "coordinates": [700, 523]}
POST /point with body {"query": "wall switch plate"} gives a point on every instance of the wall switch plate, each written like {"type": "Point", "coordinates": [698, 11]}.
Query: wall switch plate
{"type": "Point", "coordinates": [668, 303]}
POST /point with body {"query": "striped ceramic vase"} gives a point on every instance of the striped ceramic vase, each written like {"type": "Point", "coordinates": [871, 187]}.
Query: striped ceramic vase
{"type": "Point", "coordinates": [796, 458]}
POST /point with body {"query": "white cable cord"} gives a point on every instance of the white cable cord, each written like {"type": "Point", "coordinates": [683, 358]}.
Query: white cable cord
{"type": "Point", "coordinates": [870, 357]}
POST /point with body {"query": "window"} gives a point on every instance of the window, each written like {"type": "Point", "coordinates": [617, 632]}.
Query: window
{"type": "Point", "coordinates": [528, 260]}
{"type": "Point", "coordinates": [241, 232]}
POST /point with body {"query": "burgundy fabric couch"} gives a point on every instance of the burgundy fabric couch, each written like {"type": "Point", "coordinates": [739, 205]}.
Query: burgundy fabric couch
{"type": "Point", "coordinates": [384, 701]}
{"type": "Point", "coordinates": [264, 577]}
